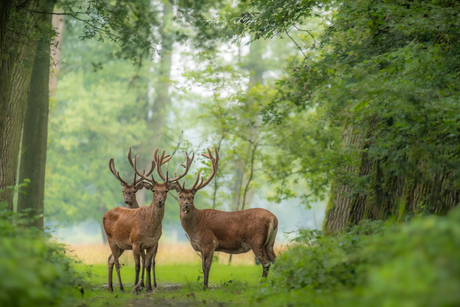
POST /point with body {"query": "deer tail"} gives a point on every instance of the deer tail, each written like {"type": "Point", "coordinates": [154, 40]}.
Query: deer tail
{"type": "Point", "coordinates": [272, 230]}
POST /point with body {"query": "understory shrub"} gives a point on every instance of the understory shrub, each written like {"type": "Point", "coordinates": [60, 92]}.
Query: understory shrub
{"type": "Point", "coordinates": [373, 264]}
{"type": "Point", "coordinates": [34, 270]}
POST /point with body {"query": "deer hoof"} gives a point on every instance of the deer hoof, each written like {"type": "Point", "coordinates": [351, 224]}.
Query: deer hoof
{"type": "Point", "coordinates": [136, 289]}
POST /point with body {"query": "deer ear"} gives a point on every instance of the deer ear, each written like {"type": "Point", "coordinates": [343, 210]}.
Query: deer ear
{"type": "Point", "coordinates": [171, 186]}
{"type": "Point", "coordinates": [138, 187]}
{"type": "Point", "coordinates": [147, 185]}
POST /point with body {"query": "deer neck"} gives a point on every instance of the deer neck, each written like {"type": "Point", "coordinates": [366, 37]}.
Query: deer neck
{"type": "Point", "coordinates": [156, 213]}
{"type": "Point", "coordinates": [134, 204]}
{"type": "Point", "coordinates": [190, 220]}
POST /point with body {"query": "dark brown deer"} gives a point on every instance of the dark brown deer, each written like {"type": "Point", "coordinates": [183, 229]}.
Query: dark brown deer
{"type": "Point", "coordinates": [139, 229]}
{"type": "Point", "coordinates": [129, 197]}
{"type": "Point", "coordinates": [230, 232]}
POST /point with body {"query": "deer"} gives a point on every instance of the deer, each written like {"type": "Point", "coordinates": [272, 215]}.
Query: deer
{"type": "Point", "coordinates": [234, 232]}
{"type": "Point", "coordinates": [140, 229]}
{"type": "Point", "coordinates": [129, 197]}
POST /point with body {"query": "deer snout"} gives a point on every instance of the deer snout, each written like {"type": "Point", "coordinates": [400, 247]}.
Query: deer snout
{"type": "Point", "coordinates": [187, 206]}
{"type": "Point", "coordinates": [160, 200]}
{"type": "Point", "coordinates": [126, 200]}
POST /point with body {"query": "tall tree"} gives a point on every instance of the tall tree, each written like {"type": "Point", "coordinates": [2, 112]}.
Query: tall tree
{"type": "Point", "coordinates": [19, 44]}
{"type": "Point", "coordinates": [371, 78]}
{"type": "Point", "coordinates": [35, 129]}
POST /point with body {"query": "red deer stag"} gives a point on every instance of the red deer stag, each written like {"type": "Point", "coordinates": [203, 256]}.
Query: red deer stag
{"type": "Point", "coordinates": [160, 190]}
{"type": "Point", "coordinates": [129, 198]}
{"type": "Point", "coordinates": [139, 229]}
{"type": "Point", "coordinates": [230, 232]}
{"type": "Point", "coordinates": [129, 190]}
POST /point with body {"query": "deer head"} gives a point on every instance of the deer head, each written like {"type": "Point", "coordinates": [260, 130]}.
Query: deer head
{"type": "Point", "coordinates": [129, 190]}
{"type": "Point", "coordinates": [186, 196]}
{"type": "Point", "coordinates": [160, 189]}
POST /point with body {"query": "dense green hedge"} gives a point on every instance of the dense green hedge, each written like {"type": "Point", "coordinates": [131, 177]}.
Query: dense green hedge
{"type": "Point", "coordinates": [34, 270]}
{"type": "Point", "coordinates": [372, 264]}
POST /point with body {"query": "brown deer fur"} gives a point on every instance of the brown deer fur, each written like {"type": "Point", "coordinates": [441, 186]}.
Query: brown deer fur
{"type": "Point", "coordinates": [139, 229]}
{"type": "Point", "coordinates": [129, 198]}
{"type": "Point", "coordinates": [230, 232]}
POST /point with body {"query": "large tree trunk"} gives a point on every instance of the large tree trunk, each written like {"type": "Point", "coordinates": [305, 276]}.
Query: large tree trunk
{"type": "Point", "coordinates": [35, 131]}
{"type": "Point", "coordinates": [6, 62]}
{"type": "Point", "coordinates": [18, 52]}
{"type": "Point", "coordinates": [389, 195]}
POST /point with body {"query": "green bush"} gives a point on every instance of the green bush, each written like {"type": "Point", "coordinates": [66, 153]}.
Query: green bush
{"type": "Point", "coordinates": [34, 270]}
{"type": "Point", "coordinates": [411, 264]}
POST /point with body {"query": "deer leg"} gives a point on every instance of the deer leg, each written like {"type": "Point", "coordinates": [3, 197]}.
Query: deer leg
{"type": "Point", "coordinates": [148, 262]}
{"type": "Point", "coordinates": [113, 259]}
{"type": "Point", "coordinates": [270, 253]}
{"type": "Point", "coordinates": [116, 253]}
{"type": "Point", "coordinates": [143, 268]}
{"type": "Point", "coordinates": [110, 275]}
{"type": "Point", "coordinates": [259, 252]}
{"type": "Point", "coordinates": [155, 286]}
{"type": "Point", "coordinates": [206, 256]}
{"type": "Point", "coordinates": [137, 266]}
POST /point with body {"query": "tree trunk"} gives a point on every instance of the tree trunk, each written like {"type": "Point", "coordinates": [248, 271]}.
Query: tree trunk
{"type": "Point", "coordinates": [6, 64]}
{"type": "Point", "coordinates": [18, 52]}
{"type": "Point", "coordinates": [161, 102]}
{"type": "Point", "coordinates": [35, 131]}
{"type": "Point", "coordinates": [389, 195]}
{"type": "Point", "coordinates": [163, 76]}
{"type": "Point", "coordinates": [104, 235]}
{"type": "Point", "coordinates": [58, 26]}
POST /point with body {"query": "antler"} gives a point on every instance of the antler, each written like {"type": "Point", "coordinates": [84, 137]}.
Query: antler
{"type": "Point", "coordinates": [115, 172]}
{"type": "Point", "coordinates": [160, 161]}
{"type": "Point", "coordinates": [143, 176]}
{"type": "Point", "coordinates": [215, 163]}
{"type": "Point", "coordinates": [131, 161]}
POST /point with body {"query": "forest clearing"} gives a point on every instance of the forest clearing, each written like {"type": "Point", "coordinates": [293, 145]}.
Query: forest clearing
{"type": "Point", "coordinates": [229, 153]}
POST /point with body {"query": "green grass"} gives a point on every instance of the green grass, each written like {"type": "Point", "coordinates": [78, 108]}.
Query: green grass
{"type": "Point", "coordinates": [230, 285]}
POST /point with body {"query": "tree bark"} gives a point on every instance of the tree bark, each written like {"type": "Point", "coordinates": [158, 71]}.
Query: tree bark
{"type": "Point", "coordinates": [389, 195]}
{"type": "Point", "coordinates": [19, 45]}
{"type": "Point", "coordinates": [6, 62]}
{"type": "Point", "coordinates": [35, 130]}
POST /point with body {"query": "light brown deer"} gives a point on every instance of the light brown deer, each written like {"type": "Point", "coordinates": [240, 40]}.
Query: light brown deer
{"type": "Point", "coordinates": [129, 198]}
{"type": "Point", "coordinates": [230, 232]}
{"type": "Point", "coordinates": [139, 229]}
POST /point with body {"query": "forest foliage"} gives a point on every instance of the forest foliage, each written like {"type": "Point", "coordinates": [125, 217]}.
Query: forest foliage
{"type": "Point", "coordinates": [373, 263]}
{"type": "Point", "coordinates": [35, 269]}
{"type": "Point", "coordinates": [385, 76]}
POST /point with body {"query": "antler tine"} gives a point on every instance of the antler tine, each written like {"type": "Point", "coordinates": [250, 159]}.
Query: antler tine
{"type": "Point", "coordinates": [143, 176]}
{"type": "Point", "coordinates": [214, 162]}
{"type": "Point", "coordinates": [197, 179]}
{"type": "Point", "coordinates": [158, 160]}
{"type": "Point", "coordinates": [130, 159]}
{"type": "Point", "coordinates": [187, 167]}
{"type": "Point", "coordinates": [114, 171]}
{"type": "Point", "coordinates": [151, 170]}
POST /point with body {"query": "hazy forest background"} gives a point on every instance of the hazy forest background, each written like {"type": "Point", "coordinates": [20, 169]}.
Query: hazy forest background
{"type": "Point", "coordinates": [340, 117]}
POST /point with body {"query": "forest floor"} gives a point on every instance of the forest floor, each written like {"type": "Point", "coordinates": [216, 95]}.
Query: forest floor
{"type": "Point", "coordinates": [178, 285]}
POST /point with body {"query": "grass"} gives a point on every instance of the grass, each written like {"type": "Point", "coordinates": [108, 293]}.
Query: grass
{"type": "Point", "coordinates": [179, 276]}
{"type": "Point", "coordinates": [230, 285]}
